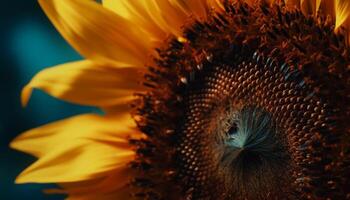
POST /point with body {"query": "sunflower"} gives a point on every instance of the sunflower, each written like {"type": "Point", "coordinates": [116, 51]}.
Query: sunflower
{"type": "Point", "coordinates": [201, 99]}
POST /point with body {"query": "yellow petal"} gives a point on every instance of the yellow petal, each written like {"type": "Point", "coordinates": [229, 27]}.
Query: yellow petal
{"type": "Point", "coordinates": [98, 33]}
{"type": "Point", "coordinates": [216, 4]}
{"type": "Point", "coordinates": [86, 83]}
{"type": "Point", "coordinates": [309, 7]}
{"type": "Point", "coordinates": [79, 148]}
{"type": "Point", "coordinates": [166, 17]}
{"type": "Point", "coordinates": [173, 14]}
{"type": "Point", "coordinates": [113, 186]}
{"type": "Point", "coordinates": [317, 5]}
{"type": "Point", "coordinates": [161, 16]}
{"type": "Point", "coordinates": [135, 12]}
{"type": "Point", "coordinates": [293, 4]}
{"type": "Point", "coordinates": [347, 29]}
{"type": "Point", "coordinates": [342, 12]}
{"type": "Point", "coordinates": [327, 8]}
{"type": "Point", "coordinates": [199, 8]}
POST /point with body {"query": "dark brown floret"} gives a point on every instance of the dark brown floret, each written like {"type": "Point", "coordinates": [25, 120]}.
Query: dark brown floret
{"type": "Point", "coordinates": [288, 73]}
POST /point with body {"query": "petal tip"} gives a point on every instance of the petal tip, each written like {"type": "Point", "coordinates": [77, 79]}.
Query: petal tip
{"type": "Point", "coordinates": [14, 143]}
{"type": "Point", "coordinates": [25, 95]}
{"type": "Point", "coordinates": [21, 179]}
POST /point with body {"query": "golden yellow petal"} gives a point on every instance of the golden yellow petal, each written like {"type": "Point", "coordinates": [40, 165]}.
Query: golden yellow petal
{"type": "Point", "coordinates": [317, 5]}
{"type": "Point", "coordinates": [216, 5]}
{"type": "Point", "coordinates": [135, 12]}
{"type": "Point", "coordinates": [168, 16]}
{"type": "Point", "coordinates": [310, 7]}
{"type": "Point", "coordinates": [173, 14]}
{"type": "Point", "coordinates": [120, 7]}
{"type": "Point", "coordinates": [342, 12]}
{"type": "Point", "coordinates": [98, 33]}
{"type": "Point", "coordinates": [79, 148]}
{"type": "Point", "coordinates": [347, 29]}
{"type": "Point", "coordinates": [293, 4]}
{"type": "Point", "coordinates": [161, 18]}
{"type": "Point", "coordinates": [327, 8]}
{"type": "Point", "coordinates": [199, 8]}
{"type": "Point", "coordinates": [113, 186]}
{"type": "Point", "coordinates": [86, 83]}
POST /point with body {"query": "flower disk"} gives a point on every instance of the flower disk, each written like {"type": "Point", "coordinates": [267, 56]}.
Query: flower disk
{"type": "Point", "coordinates": [250, 104]}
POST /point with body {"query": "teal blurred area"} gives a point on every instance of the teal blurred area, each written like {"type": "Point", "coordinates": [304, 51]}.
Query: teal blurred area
{"type": "Point", "coordinates": [29, 43]}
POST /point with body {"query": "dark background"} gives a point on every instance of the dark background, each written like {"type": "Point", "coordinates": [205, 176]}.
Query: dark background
{"type": "Point", "coordinates": [28, 44]}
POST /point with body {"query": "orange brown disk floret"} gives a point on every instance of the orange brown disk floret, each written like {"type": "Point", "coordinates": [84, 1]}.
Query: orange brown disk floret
{"type": "Point", "coordinates": [252, 103]}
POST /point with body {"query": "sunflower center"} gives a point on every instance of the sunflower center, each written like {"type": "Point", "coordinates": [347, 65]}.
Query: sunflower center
{"type": "Point", "coordinates": [250, 131]}
{"type": "Point", "coordinates": [231, 141]}
{"type": "Point", "coordinates": [253, 132]}
{"type": "Point", "coordinates": [251, 150]}
{"type": "Point", "coordinates": [244, 108]}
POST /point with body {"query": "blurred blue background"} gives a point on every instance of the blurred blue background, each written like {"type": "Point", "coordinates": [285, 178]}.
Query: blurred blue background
{"type": "Point", "coordinates": [29, 43]}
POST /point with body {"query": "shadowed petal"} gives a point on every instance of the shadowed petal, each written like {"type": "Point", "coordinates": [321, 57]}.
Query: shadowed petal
{"type": "Point", "coordinates": [310, 7]}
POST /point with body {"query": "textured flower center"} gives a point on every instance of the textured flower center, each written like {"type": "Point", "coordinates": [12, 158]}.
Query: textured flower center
{"type": "Point", "coordinates": [251, 133]}
{"type": "Point", "coordinates": [231, 144]}
{"type": "Point", "coordinates": [245, 108]}
{"type": "Point", "coordinates": [251, 130]}
{"type": "Point", "coordinates": [251, 145]}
